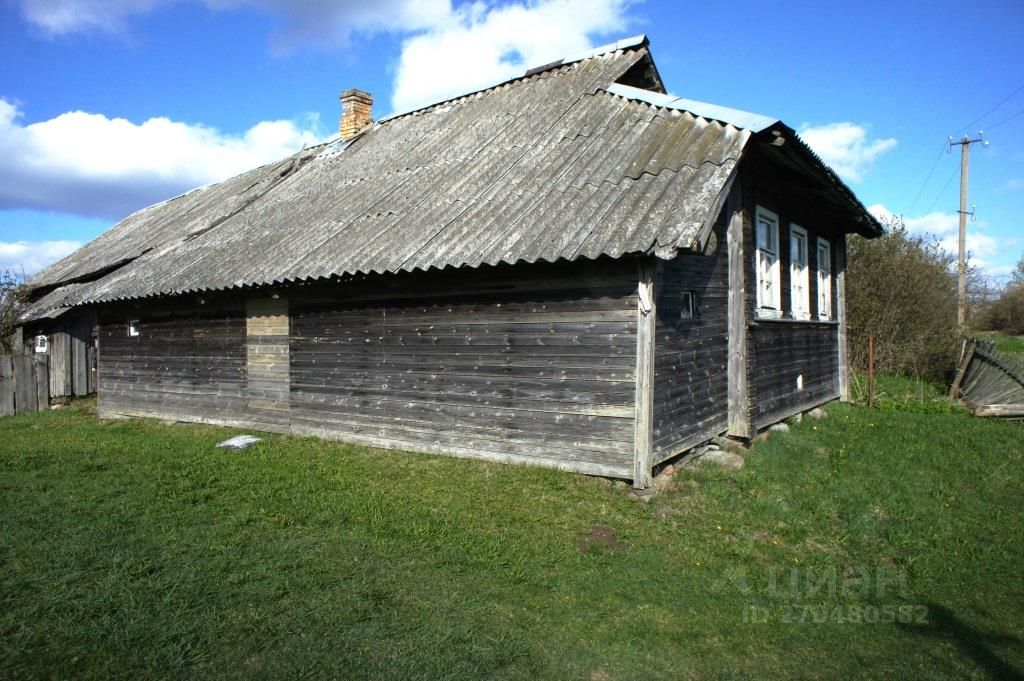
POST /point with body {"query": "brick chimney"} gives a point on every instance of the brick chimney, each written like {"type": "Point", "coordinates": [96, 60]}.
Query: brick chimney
{"type": "Point", "coordinates": [356, 112]}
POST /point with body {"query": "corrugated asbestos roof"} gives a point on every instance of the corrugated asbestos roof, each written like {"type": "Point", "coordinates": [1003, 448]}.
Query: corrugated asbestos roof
{"type": "Point", "coordinates": [741, 119]}
{"type": "Point", "coordinates": [560, 164]}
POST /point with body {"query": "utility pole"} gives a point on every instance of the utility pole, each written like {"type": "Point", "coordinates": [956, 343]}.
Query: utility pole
{"type": "Point", "coordinates": [965, 156]}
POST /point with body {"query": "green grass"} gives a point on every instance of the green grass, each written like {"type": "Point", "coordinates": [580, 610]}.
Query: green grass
{"type": "Point", "coordinates": [1004, 343]}
{"type": "Point", "coordinates": [138, 550]}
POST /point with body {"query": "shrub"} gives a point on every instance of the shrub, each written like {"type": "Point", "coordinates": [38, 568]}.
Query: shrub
{"type": "Point", "coordinates": [12, 304]}
{"type": "Point", "coordinates": [1006, 312]}
{"type": "Point", "coordinates": [902, 289]}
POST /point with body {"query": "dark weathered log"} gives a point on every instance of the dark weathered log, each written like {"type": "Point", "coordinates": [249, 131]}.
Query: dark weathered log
{"type": "Point", "coordinates": [738, 400]}
{"type": "Point", "coordinates": [541, 371]}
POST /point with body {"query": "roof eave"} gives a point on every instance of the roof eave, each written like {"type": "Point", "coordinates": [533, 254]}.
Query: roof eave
{"type": "Point", "coordinates": [780, 136]}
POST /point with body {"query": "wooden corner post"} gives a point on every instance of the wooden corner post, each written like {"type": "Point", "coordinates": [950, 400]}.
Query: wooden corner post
{"type": "Point", "coordinates": [842, 350]}
{"type": "Point", "coordinates": [736, 369]}
{"type": "Point", "coordinates": [643, 433]}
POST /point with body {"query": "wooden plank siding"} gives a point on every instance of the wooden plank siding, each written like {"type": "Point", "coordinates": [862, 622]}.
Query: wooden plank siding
{"type": "Point", "coordinates": [542, 372]}
{"type": "Point", "coordinates": [784, 351]}
{"type": "Point", "coordinates": [691, 355]}
{"type": "Point", "coordinates": [531, 364]}
{"type": "Point", "coordinates": [70, 354]}
{"type": "Point", "coordinates": [59, 355]}
{"type": "Point", "coordinates": [80, 329]}
{"type": "Point", "coordinates": [6, 385]}
{"type": "Point", "coordinates": [188, 363]}
{"type": "Point", "coordinates": [780, 351]}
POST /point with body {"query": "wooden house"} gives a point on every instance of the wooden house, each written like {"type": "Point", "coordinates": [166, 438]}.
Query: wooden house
{"type": "Point", "coordinates": [571, 269]}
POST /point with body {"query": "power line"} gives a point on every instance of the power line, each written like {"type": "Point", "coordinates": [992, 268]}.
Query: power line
{"type": "Point", "coordinates": [965, 156]}
{"type": "Point", "coordinates": [943, 190]}
{"type": "Point", "coordinates": [1004, 101]}
{"type": "Point", "coordinates": [935, 165]}
{"type": "Point", "coordinates": [1006, 120]}
{"type": "Point", "coordinates": [928, 177]}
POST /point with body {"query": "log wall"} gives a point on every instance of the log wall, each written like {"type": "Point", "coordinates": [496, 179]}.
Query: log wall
{"type": "Point", "coordinates": [187, 363]}
{"type": "Point", "coordinates": [537, 370]}
{"type": "Point", "coordinates": [691, 383]}
{"type": "Point", "coordinates": [781, 353]}
{"type": "Point", "coordinates": [785, 354]}
{"type": "Point", "coordinates": [536, 367]}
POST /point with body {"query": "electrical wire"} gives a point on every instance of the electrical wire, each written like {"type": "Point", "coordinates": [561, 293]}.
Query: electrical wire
{"type": "Point", "coordinates": [1004, 101]}
{"type": "Point", "coordinates": [1006, 120]}
{"type": "Point", "coordinates": [942, 191]}
{"type": "Point", "coordinates": [926, 179]}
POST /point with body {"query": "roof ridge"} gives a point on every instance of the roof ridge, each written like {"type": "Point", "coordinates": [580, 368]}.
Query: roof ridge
{"type": "Point", "coordinates": [637, 41]}
{"type": "Point", "coordinates": [724, 114]}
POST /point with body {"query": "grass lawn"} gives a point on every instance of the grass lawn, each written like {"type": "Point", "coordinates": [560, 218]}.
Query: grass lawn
{"type": "Point", "coordinates": [1004, 343]}
{"type": "Point", "coordinates": [876, 543]}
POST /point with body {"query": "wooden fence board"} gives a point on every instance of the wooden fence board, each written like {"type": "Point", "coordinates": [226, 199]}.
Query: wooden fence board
{"type": "Point", "coordinates": [6, 385]}
{"type": "Point", "coordinates": [42, 376]}
{"type": "Point", "coordinates": [990, 383]}
{"type": "Point", "coordinates": [25, 395]}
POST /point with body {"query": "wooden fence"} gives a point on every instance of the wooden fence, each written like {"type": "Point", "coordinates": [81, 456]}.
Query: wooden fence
{"type": "Point", "coordinates": [24, 384]}
{"type": "Point", "coordinates": [989, 383]}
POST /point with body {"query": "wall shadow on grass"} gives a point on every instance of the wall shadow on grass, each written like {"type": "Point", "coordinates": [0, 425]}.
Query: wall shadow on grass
{"type": "Point", "coordinates": [943, 624]}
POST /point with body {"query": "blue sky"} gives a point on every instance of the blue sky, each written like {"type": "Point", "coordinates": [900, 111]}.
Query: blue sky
{"type": "Point", "coordinates": [107, 106]}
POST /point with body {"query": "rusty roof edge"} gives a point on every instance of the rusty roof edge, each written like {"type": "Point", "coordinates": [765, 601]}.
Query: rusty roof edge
{"type": "Point", "coordinates": [734, 117]}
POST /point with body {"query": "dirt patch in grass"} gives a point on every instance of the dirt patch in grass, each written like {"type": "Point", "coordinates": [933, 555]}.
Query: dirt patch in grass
{"type": "Point", "coordinates": [600, 539]}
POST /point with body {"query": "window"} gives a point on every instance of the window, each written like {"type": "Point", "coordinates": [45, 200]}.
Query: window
{"type": "Point", "coordinates": [133, 327]}
{"type": "Point", "coordinates": [42, 343]}
{"type": "Point", "coordinates": [688, 305]}
{"type": "Point", "coordinates": [824, 279]}
{"type": "Point", "coordinates": [799, 281]}
{"type": "Point", "coordinates": [768, 300]}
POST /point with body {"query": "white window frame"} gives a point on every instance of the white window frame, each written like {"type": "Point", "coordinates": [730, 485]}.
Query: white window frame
{"type": "Point", "coordinates": [799, 273]}
{"type": "Point", "coordinates": [766, 263]}
{"type": "Point", "coordinates": [133, 327]}
{"type": "Point", "coordinates": [824, 278]}
{"type": "Point", "coordinates": [42, 344]}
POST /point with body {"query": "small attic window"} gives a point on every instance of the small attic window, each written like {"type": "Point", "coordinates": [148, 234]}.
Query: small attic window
{"type": "Point", "coordinates": [42, 343]}
{"type": "Point", "coordinates": [688, 305]}
{"type": "Point", "coordinates": [133, 327]}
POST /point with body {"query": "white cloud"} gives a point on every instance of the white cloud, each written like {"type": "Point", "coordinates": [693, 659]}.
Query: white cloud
{"type": "Point", "coordinates": [29, 257]}
{"type": "Point", "coordinates": [88, 164]}
{"type": "Point", "coordinates": [479, 46]}
{"type": "Point", "coordinates": [316, 20]}
{"type": "Point", "coordinates": [59, 17]}
{"type": "Point", "coordinates": [944, 229]}
{"type": "Point", "coordinates": [1015, 184]}
{"type": "Point", "coordinates": [447, 50]}
{"type": "Point", "coordinates": [330, 23]}
{"type": "Point", "coordinates": [846, 147]}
